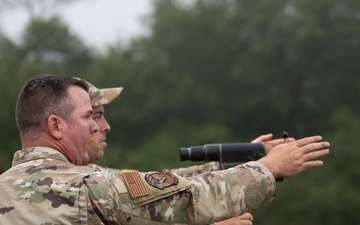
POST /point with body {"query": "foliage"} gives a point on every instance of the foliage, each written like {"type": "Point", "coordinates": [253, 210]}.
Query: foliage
{"type": "Point", "coordinates": [49, 41]}
{"type": "Point", "coordinates": [218, 71]}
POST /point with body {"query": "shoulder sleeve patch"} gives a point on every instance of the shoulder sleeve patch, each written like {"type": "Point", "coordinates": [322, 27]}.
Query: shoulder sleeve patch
{"type": "Point", "coordinates": [144, 188]}
{"type": "Point", "coordinates": [161, 179]}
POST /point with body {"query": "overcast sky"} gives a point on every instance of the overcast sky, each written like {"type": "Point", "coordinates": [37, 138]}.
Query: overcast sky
{"type": "Point", "coordinates": [98, 22]}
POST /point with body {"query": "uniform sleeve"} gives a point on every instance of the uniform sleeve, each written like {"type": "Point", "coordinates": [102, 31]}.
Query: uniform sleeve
{"type": "Point", "coordinates": [165, 198]}
{"type": "Point", "coordinates": [184, 172]}
{"type": "Point", "coordinates": [195, 170]}
{"type": "Point", "coordinates": [224, 194]}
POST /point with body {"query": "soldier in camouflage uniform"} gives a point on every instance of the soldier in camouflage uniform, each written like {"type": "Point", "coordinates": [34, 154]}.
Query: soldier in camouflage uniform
{"type": "Point", "coordinates": [101, 97]}
{"type": "Point", "coordinates": [48, 183]}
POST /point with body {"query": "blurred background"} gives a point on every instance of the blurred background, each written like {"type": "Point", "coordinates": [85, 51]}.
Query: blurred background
{"type": "Point", "coordinates": [204, 71]}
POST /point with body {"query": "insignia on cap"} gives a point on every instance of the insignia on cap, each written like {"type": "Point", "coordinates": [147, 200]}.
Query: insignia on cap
{"type": "Point", "coordinates": [135, 184]}
{"type": "Point", "coordinates": [161, 179]}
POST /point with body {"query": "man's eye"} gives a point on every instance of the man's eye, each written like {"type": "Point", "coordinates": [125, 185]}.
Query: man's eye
{"type": "Point", "coordinates": [95, 116]}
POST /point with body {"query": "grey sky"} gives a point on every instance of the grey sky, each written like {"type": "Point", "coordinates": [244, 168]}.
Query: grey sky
{"type": "Point", "coordinates": [98, 22]}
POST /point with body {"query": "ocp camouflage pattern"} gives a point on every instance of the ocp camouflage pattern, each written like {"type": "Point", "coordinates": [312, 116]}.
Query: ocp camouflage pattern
{"type": "Point", "coordinates": [184, 172]}
{"type": "Point", "coordinates": [102, 96]}
{"type": "Point", "coordinates": [43, 187]}
{"type": "Point", "coordinates": [195, 170]}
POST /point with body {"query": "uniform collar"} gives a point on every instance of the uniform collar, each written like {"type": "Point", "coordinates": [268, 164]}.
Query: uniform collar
{"type": "Point", "coordinates": [35, 153]}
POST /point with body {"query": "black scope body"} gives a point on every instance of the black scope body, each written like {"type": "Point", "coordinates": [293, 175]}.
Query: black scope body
{"type": "Point", "coordinates": [228, 155]}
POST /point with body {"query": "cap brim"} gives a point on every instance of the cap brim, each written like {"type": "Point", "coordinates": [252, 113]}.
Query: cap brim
{"type": "Point", "coordinates": [105, 95]}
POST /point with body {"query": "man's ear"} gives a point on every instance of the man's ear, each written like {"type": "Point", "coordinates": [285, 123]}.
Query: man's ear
{"type": "Point", "coordinates": [55, 125]}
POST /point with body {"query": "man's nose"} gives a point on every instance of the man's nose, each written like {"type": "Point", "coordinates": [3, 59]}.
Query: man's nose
{"type": "Point", "coordinates": [93, 126]}
{"type": "Point", "coordinates": [107, 126]}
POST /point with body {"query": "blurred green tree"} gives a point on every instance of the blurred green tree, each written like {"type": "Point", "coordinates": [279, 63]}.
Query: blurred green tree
{"type": "Point", "coordinates": [49, 41]}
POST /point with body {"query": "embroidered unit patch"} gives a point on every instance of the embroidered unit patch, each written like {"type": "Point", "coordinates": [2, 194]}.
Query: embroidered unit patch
{"type": "Point", "coordinates": [135, 184]}
{"type": "Point", "coordinates": [161, 179]}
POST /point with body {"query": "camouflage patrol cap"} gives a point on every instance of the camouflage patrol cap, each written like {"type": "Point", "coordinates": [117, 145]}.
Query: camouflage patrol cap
{"type": "Point", "coordinates": [102, 96]}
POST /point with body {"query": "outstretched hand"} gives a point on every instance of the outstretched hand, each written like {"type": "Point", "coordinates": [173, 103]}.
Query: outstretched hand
{"type": "Point", "coordinates": [291, 158]}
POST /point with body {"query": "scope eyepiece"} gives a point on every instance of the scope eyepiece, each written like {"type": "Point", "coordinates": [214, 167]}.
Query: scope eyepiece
{"type": "Point", "coordinates": [194, 153]}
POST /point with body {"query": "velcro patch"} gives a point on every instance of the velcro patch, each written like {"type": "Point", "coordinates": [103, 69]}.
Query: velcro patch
{"type": "Point", "coordinates": [135, 184]}
{"type": "Point", "coordinates": [161, 179]}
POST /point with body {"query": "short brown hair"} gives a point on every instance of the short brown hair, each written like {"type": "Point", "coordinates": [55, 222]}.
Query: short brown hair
{"type": "Point", "coordinates": [44, 96]}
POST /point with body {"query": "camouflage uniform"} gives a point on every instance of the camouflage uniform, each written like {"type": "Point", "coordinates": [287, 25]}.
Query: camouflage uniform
{"type": "Point", "coordinates": [43, 187]}
{"type": "Point", "coordinates": [184, 172]}
{"type": "Point", "coordinates": [195, 170]}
